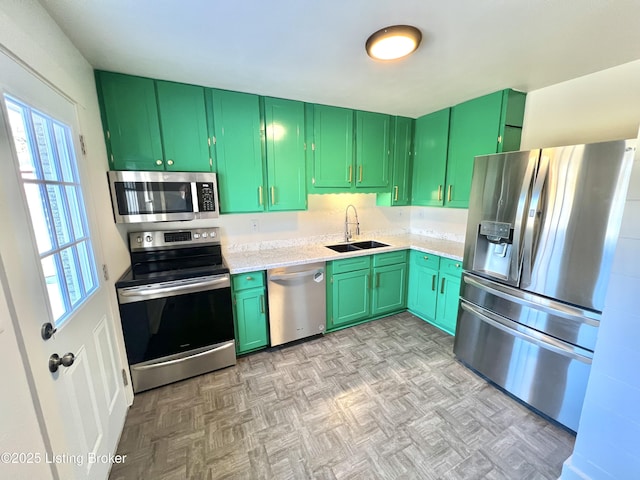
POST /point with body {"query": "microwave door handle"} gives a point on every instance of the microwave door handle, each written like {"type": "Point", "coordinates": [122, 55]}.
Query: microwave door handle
{"type": "Point", "coordinates": [523, 199]}
{"type": "Point", "coordinates": [194, 197]}
{"type": "Point", "coordinates": [533, 216]}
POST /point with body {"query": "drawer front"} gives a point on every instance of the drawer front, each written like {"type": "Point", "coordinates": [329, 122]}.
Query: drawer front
{"type": "Point", "coordinates": [452, 267]}
{"type": "Point", "coordinates": [425, 259]}
{"type": "Point", "coordinates": [351, 264]}
{"type": "Point", "coordinates": [242, 281]}
{"type": "Point", "coordinates": [389, 258]}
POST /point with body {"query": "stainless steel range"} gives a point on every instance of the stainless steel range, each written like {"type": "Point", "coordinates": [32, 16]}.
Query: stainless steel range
{"type": "Point", "coordinates": [175, 307]}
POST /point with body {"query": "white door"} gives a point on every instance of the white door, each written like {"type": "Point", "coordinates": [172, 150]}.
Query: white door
{"type": "Point", "coordinates": [51, 263]}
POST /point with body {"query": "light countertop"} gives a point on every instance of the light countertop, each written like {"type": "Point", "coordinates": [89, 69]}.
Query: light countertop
{"type": "Point", "coordinates": [264, 259]}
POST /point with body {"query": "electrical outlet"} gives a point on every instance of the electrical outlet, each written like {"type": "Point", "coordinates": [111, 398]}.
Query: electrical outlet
{"type": "Point", "coordinates": [255, 225]}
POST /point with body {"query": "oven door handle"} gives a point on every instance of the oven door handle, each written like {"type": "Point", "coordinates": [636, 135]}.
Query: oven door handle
{"type": "Point", "coordinates": [172, 289]}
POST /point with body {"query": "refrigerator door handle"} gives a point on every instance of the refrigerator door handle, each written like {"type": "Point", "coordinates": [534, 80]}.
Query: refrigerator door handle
{"type": "Point", "coordinates": [552, 307]}
{"type": "Point", "coordinates": [516, 260]}
{"type": "Point", "coordinates": [528, 334]}
{"type": "Point", "coordinates": [532, 217]}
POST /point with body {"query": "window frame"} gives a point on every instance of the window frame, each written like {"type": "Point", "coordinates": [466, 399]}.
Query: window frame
{"type": "Point", "coordinates": [74, 219]}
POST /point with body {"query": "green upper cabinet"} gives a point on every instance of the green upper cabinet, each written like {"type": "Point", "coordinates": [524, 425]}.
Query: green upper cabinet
{"type": "Point", "coordinates": [238, 142]}
{"type": "Point", "coordinates": [430, 160]}
{"type": "Point", "coordinates": [484, 125]}
{"type": "Point", "coordinates": [153, 125]}
{"type": "Point", "coordinates": [285, 127]}
{"type": "Point", "coordinates": [332, 147]}
{"type": "Point", "coordinates": [401, 148]}
{"type": "Point", "coordinates": [372, 150]}
{"type": "Point", "coordinates": [130, 120]}
{"type": "Point", "coordinates": [183, 123]}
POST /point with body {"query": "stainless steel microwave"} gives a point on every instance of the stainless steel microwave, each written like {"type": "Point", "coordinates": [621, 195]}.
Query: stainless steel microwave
{"type": "Point", "coordinates": [162, 196]}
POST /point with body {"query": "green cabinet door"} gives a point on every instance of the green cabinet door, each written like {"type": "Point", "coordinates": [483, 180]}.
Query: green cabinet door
{"type": "Point", "coordinates": [448, 299]}
{"type": "Point", "coordinates": [422, 294]}
{"type": "Point", "coordinates": [285, 127]}
{"type": "Point", "coordinates": [238, 143]}
{"type": "Point", "coordinates": [430, 160]}
{"type": "Point", "coordinates": [250, 320]}
{"type": "Point", "coordinates": [402, 149]}
{"type": "Point", "coordinates": [372, 150]}
{"type": "Point", "coordinates": [332, 164]}
{"type": "Point", "coordinates": [183, 122]}
{"type": "Point", "coordinates": [389, 289]}
{"type": "Point", "coordinates": [402, 152]}
{"type": "Point", "coordinates": [475, 128]}
{"type": "Point", "coordinates": [350, 300]}
{"type": "Point", "coordinates": [130, 119]}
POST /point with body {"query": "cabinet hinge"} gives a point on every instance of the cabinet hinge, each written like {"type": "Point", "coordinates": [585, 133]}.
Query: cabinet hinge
{"type": "Point", "coordinates": [500, 139]}
{"type": "Point", "coordinates": [125, 379]}
{"type": "Point", "coordinates": [313, 147]}
{"type": "Point", "coordinates": [209, 141]}
{"type": "Point", "coordinates": [213, 139]}
{"type": "Point", "coordinates": [108, 135]}
{"type": "Point", "coordinates": [331, 278]}
{"type": "Point", "coordinates": [313, 180]}
{"type": "Point", "coordinates": [82, 145]}
{"type": "Point", "coordinates": [305, 146]}
{"type": "Point", "coordinates": [105, 272]}
{"type": "Point", "coordinates": [210, 162]}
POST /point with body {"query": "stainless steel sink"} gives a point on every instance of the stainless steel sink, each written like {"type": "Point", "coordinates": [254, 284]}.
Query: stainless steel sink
{"type": "Point", "coordinates": [356, 246]}
{"type": "Point", "coordinates": [369, 244]}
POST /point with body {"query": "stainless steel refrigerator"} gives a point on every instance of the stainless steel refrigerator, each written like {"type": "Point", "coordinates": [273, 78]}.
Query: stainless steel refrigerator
{"type": "Point", "coordinates": [541, 234]}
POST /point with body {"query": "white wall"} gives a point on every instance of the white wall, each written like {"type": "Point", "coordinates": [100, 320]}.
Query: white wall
{"type": "Point", "coordinates": [598, 107]}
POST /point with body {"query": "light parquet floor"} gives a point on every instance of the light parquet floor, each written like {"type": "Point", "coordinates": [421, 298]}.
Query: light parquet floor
{"type": "Point", "coordinates": [382, 400]}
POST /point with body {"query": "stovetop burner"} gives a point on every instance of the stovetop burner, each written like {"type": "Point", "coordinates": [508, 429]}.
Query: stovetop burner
{"type": "Point", "coordinates": [164, 256]}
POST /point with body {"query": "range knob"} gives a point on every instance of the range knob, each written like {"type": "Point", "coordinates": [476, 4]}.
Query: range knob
{"type": "Point", "coordinates": [139, 239]}
{"type": "Point", "coordinates": [212, 234]}
{"type": "Point", "coordinates": [148, 238]}
{"type": "Point", "coordinates": [205, 234]}
{"type": "Point", "coordinates": [196, 236]}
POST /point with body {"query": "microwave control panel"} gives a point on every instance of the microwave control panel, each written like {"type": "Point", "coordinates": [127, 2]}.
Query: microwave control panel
{"type": "Point", "coordinates": [206, 197]}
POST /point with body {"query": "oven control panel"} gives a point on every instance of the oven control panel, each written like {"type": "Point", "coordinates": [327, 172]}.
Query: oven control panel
{"type": "Point", "coordinates": [164, 238]}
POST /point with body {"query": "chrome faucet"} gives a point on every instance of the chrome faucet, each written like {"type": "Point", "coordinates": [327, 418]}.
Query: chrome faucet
{"type": "Point", "coordinates": [348, 234]}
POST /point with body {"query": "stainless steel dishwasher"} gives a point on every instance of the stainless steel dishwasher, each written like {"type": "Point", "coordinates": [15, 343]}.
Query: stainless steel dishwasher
{"type": "Point", "coordinates": [297, 302]}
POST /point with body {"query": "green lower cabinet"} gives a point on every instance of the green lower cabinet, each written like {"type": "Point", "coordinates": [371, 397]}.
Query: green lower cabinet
{"type": "Point", "coordinates": [389, 289]}
{"type": "Point", "coordinates": [434, 289]}
{"type": "Point", "coordinates": [448, 299]}
{"type": "Point", "coordinates": [350, 298]}
{"type": "Point", "coordinates": [250, 312]}
{"type": "Point", "coordinates": [364, 288]}
{"type": "Point", "coordinates": [422, 294]}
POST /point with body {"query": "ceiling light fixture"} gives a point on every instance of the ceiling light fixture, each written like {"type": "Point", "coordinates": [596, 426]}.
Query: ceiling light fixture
{"type": "Point", "coordinates": [393, 42]}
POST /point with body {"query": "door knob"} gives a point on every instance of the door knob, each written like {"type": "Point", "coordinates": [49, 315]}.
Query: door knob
{"type": "Point", "coordinates": [55, 361]}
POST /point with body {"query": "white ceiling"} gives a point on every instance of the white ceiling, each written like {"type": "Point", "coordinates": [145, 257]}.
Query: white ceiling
{"type": "Point", "coordinates": [313, 50]}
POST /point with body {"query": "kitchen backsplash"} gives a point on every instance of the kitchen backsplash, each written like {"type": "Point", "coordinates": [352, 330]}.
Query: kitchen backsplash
{"type": "Point", "coordinates": [323, 222]}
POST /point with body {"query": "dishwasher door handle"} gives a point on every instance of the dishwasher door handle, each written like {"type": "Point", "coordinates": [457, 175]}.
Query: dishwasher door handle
{"type": "Point", "coordinates": [293, 276]}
